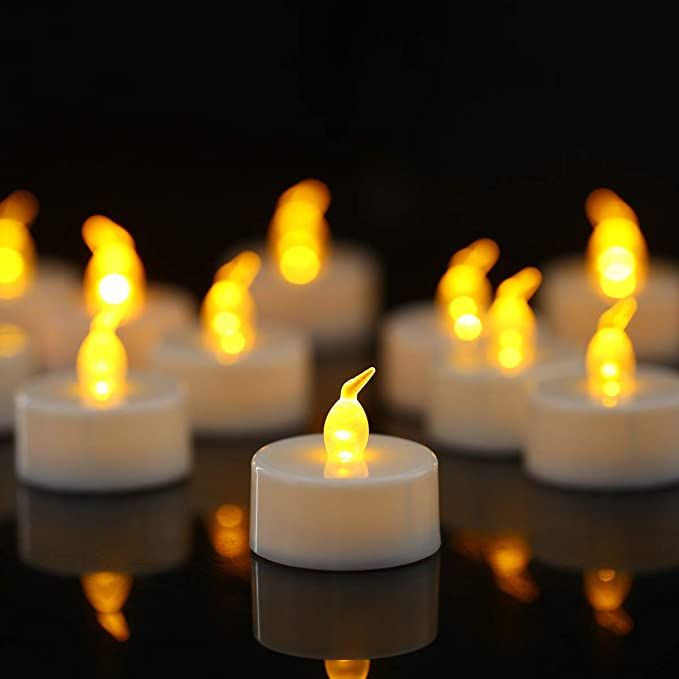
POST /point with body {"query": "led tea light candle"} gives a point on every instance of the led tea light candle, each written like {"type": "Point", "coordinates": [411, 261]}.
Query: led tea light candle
{"type": "Point", "coordinates": [617, 265]}
{"type": "Point", "coordinates": [616, 429]}
{"type": "Point", "coordinates": [105, 542]}
{"type": "Point", "coordinates": [330, 291]}
{"type": "Point", "coordinates": [340, 617]}
{"type": "Point", "coordinates": [101, 431]}
{"type": "Point", "coordinates": [241, 379]}
{"type": "Point", "coordinates": [413, 336]}
{"type": "Point", "coordinates": [115, 281]}
{"type": "Point", "coordinates": [362, 503]}
{"type": "Point", "coordinates": [477, 392]}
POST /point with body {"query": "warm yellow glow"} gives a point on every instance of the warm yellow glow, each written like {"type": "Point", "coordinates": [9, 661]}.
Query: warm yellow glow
{"type": "Point", "coordinates": [17, 252]}
{"type": "Point", "coordinates": [464, 292]}
{"type": "Point", "coordinates": [611, 363]}
{"type": "Point", "coordinates": [511, 322]}
{"type": "Point", "coordinates": [114, 277]}
{"type": "Point", "coordinates": [107, 592]}
{"type": "Point", "coordinates": [508, 557]}
{"type": "Point", "coordinates": [12, 339]}
{"type": "Point", "coordinates": [606, 590]}
{"type": "Point", "coordinates": [229, 534]}
{"type": "Point", "coordinates": [347, 669]}
{"type": "Point", "coordinates": [299, 234]}
{"type": "Point", "coordinates": [102, 363]}
{"type": "Point", "coordinates": [617, 256]}
{"type": "Point", "coordinates": [228, 314]}
{"type": "Point", "coordinates": [346, 431]}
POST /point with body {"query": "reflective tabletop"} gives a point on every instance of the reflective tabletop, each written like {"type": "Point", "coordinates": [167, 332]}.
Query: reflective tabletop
{"type": "Point", "coordinates": [529, 579]}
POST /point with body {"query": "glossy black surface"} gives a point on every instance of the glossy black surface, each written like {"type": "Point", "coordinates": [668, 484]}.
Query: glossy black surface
{"type": "Point", "coordinates": [192, 604]}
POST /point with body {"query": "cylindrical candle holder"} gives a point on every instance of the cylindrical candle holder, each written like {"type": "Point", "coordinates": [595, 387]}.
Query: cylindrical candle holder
{"type": "Point", "coordinates": [265, 389]}
{"type": "Point", "coordinates": [337, 309]}
{"type": "Point", "coordinates": [388, 518]}
{"type": "Point", "coordinates": [409, 340]}
{"type": "Point", "coordinates": [576, 441]}
{"type": "Point", "coordinates": [64, 444]}
{"type": "Point", "coordinates": [572, 307]}
{"type": "Point", "coordinates": [342, 615]}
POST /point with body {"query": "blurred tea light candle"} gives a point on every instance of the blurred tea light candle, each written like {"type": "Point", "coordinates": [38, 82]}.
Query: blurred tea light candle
{"type": "Point", "coordinates": [329, 290]}
{"type": "Point", "coordinates": [616, 265]}
{"type": "Point", "coordinates": [344, 500]}
{"type": "Point", "coordinates": [477, 390]}
{"type": "Point", "coordinates": [340, 617]}
{"type": "Point", "coordinates": [412, 336]}
{"type": "Point", "coordinates": [616, 429]}
{"type": "Point", "coordinates": [115, 280]}
{"type": "Point", "coordinates": [100, 430]}
{"type": "Point", "coordinates": [241, 379]}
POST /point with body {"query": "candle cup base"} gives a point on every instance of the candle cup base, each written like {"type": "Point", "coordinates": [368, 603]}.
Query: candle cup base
{"type": "Point", "coordinates": [576, 442]}
{"type": "Point", "coordinates": [300, 518]}
{"type": "Point", "coordinates": [409, 340]}
{"type": "Point", "coordinates": [344, 615]}
{"type": "Point", "coordinates": [480, 410]}
{"type": "Point", "coordinates": [337, 310]}
{"type": "Point", "coordinates": [65, 445]}
{"type": "Point", "coordinates": [15, 368]}
{"type": "Point", "coordinates": [266, 389]}
{"type": "Point", "coordinates": [572, 308]}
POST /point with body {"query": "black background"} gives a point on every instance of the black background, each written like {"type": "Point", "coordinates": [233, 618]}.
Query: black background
{"type": "Point", "coordinates": [433, 124]}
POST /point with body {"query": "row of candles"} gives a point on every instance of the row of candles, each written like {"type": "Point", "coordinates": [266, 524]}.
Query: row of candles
{"type": "Point", "coordinates": [488, 377]}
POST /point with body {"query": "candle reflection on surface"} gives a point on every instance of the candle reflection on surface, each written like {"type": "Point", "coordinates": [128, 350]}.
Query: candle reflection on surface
{"type": "Point", "coordinates": [347, 669]}
{"type": "Point", "coordinates": [606, 590]}
{"type": "Point", "coordinates": [230, 539]}
{"type": "Point", "coordinates": [108, 591]}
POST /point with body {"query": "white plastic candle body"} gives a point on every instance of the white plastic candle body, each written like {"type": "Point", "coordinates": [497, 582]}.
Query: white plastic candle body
{"type": "Point", "coordinates": [409, 340]}
{"type": "Point", "coordinates": [71, 535]}
{"type": "Point", "coordinates": [15, 367]}
{"type": "Point", "coordinates": [300, 518]}
{"type": "Point", "coordinates": [337, 309]}
{"type": "Point", "coordinates": [167, 311]}
{"type": "Point", "coordinates": [263, 390]}
{"type": "Point", "coordinates": [572, 308]}
{"type": "Point", "coordinates": [345, 615]}
{"type": "Point", "coordinates": [62, 444]}
{"type": "Point", "coordinates": [574, 441]}
{"type": "Point", "coordinates": [482, 410]}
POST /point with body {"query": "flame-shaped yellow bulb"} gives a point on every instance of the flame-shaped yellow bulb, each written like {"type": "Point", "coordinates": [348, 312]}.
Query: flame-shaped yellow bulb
{"type": "Point", "coordinates": [611, 363]}
{"type": "Point", "coordinates": [102, 363]}
{"type": "Point", "coordinates": [511, 322]}
{"type": "Point", "coordinates": [228, 314]}
{"type": "Point", "coordinates": [17, 252]}
{"type": "Point", "coordinates": [107, 592]}
{"type": "Point", "coordinates": [464, 293]}
{"type": "Point", "coordinates": [617, 256]}
{"type": "Point", "coordinates": [114, 277]}
{"type": "Point", "coordinates": [347, 669]}
{"type": "Point", "coordinates": [346, 431]}
{"type": "Point", "coordinates": [606, 590]}
{"type": "Point", "coordinates": [299, 234]}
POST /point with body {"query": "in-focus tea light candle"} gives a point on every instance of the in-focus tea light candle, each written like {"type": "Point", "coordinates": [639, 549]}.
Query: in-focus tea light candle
{"type": "Point", "coordinates": [618, 428]}
{"type": "Point", "coordinates": [345, 500]}
{"type": "Point", "coordinates": [101, 430]}
{"type": "Point", "coordinates": [340, 617]}
{"type": "Point", "coordinates": [330, 291]}
{"type": "Point", "coordinates": [413, 336]}
{"type": "Point", "coordinates": [477, 390]}
{"type": "Point", "coordinates": [616, 266]}
{"type": "Point", "coordinates": [115, 280]}
{"type": "Point", "coordinates": [242, 379]}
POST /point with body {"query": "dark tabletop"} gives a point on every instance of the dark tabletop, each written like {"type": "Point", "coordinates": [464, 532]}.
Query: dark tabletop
{"type": "Point", "coordinates": [514, 586]}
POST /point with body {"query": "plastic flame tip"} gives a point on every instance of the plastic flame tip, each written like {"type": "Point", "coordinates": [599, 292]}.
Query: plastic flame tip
{"type": "Point", "coordinates": [346, 431]}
